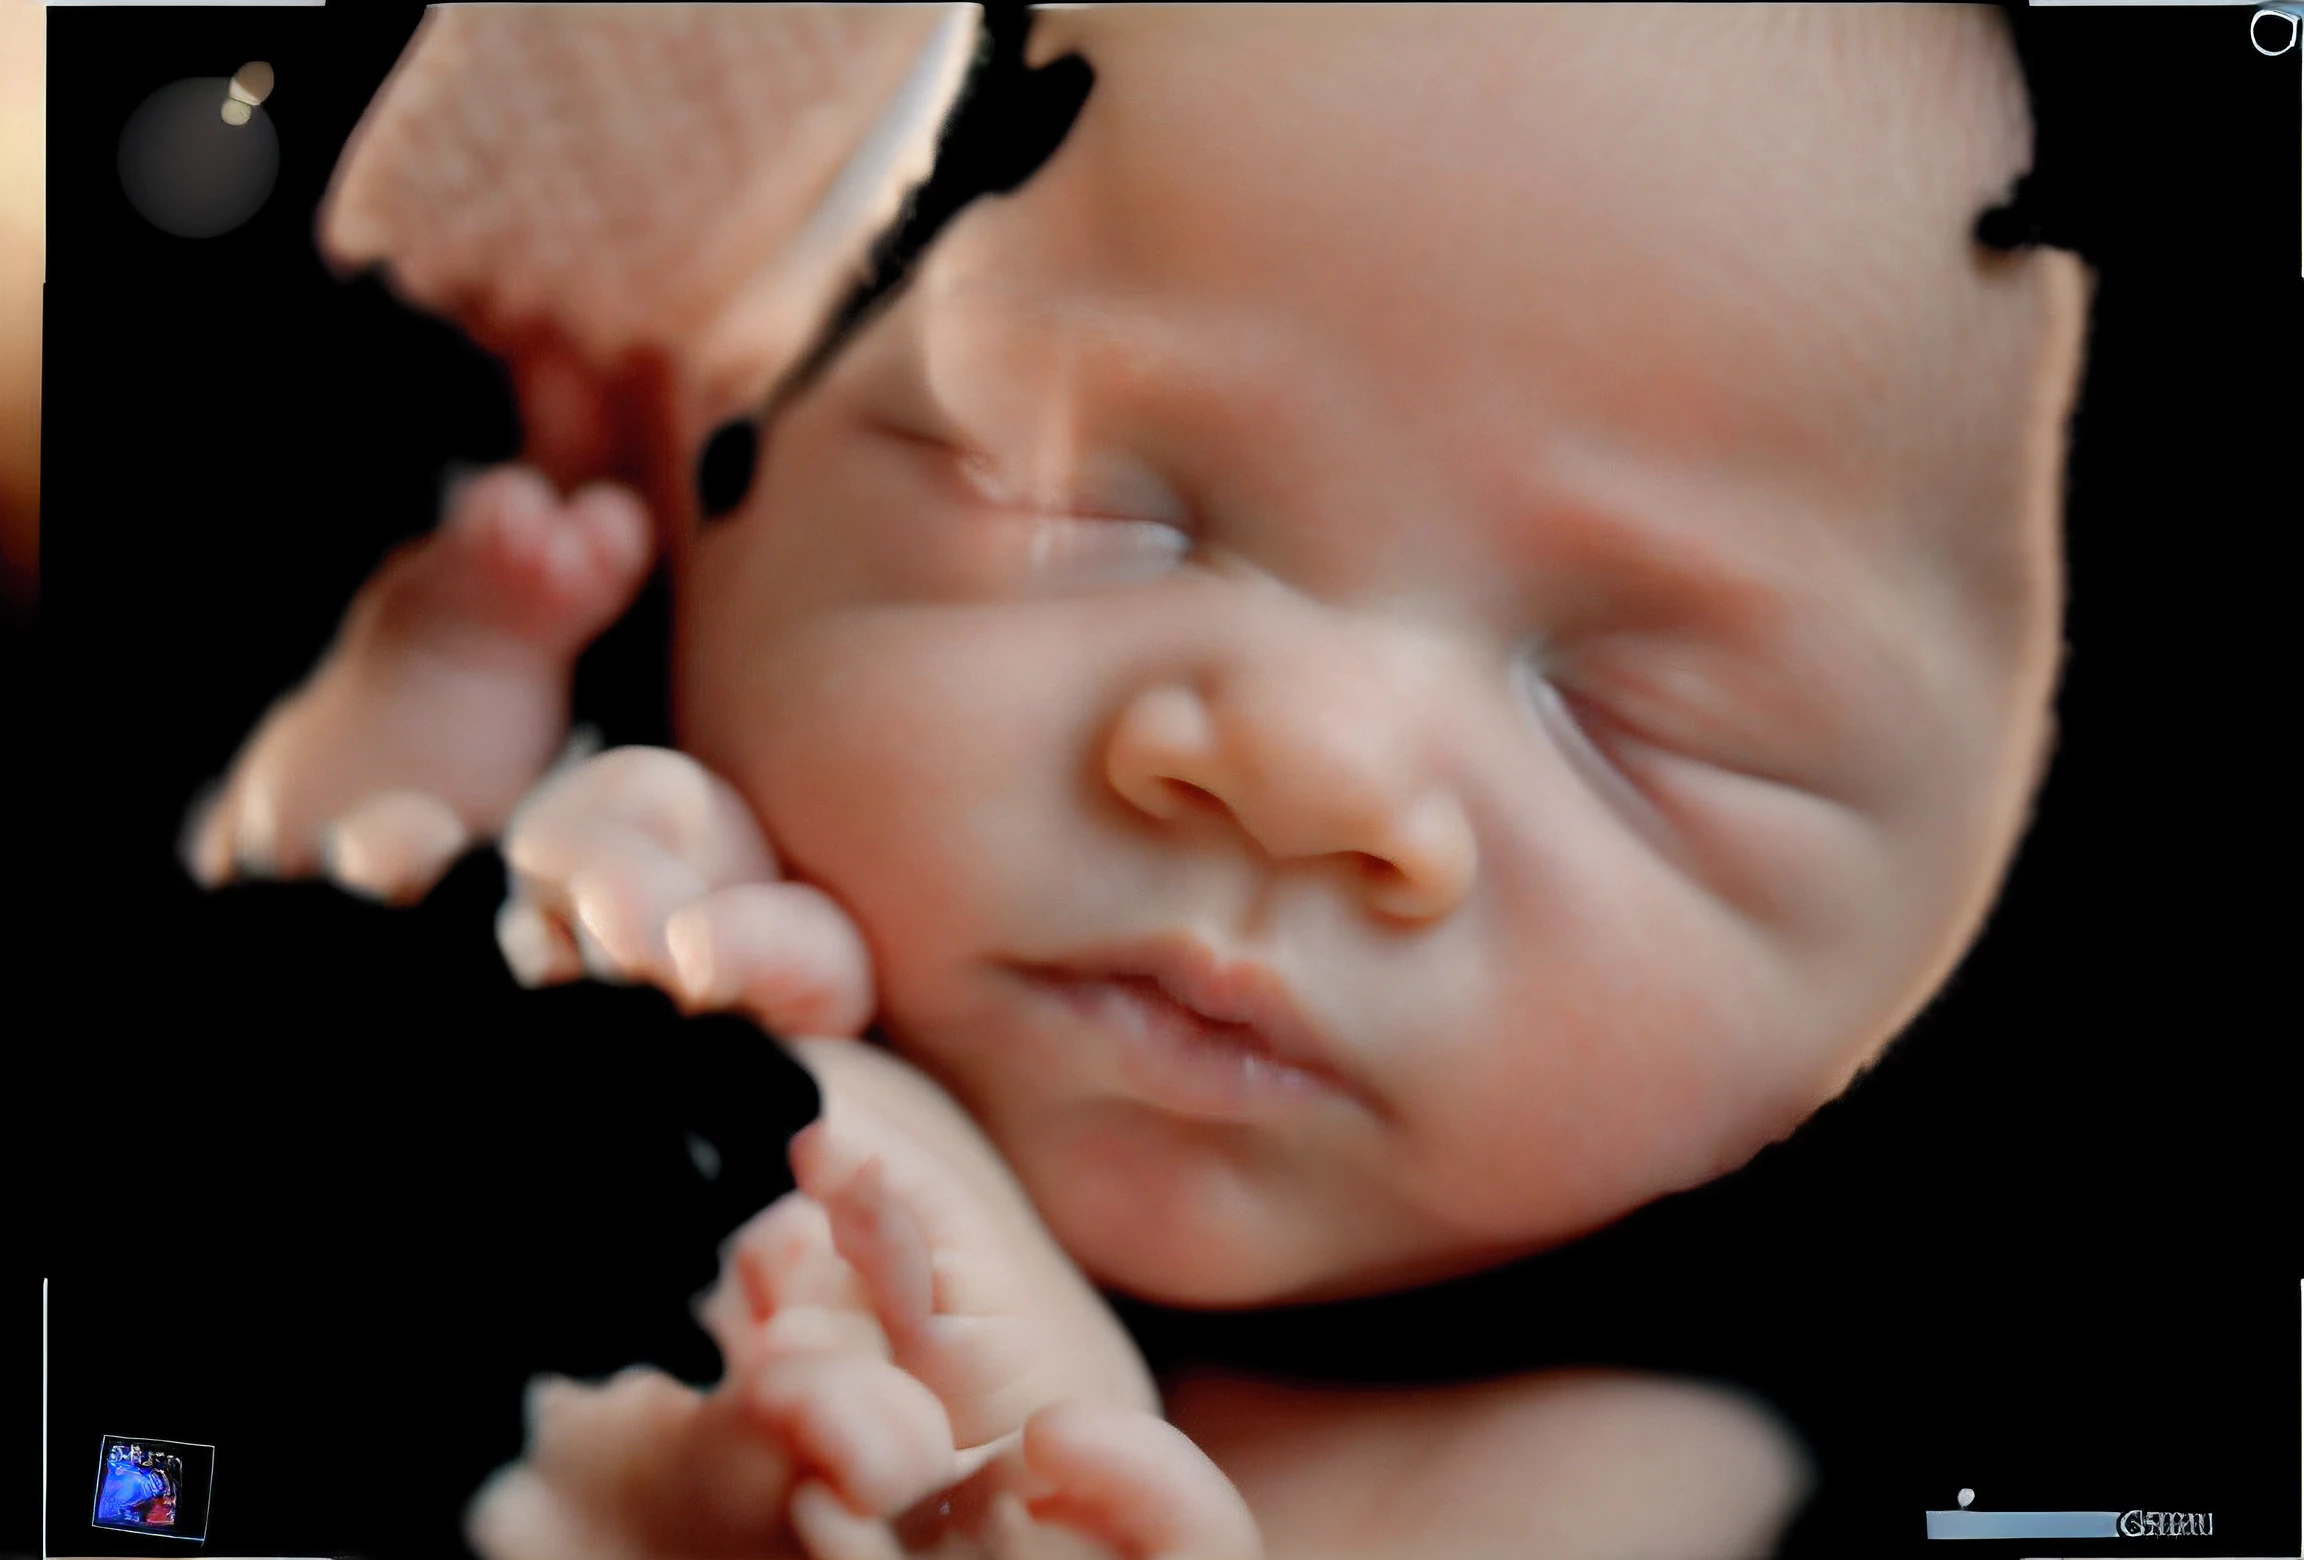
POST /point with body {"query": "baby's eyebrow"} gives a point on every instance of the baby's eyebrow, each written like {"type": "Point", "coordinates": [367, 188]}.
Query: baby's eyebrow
{"type": "Point", "coordinates": [1664, 570]}
{"type": "Point", "coordinates": [1641, 543]}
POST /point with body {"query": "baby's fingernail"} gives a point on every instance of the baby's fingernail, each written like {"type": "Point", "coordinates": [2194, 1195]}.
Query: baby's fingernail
{"type": "Point", "coordinates": [688, 939]}
{"type": "Point", "coordinates": [828, 1525]}
{"type": "Point", "coordinates": [598, 965]}
{"type": "Point", "coordinates": [534, 954]}
{"type": "Point", "coordinates": [253, 855]}
{"type": "Point", "coordinates": [600, 931]}
{"type": "Point", "coordinates": [201, 846]}
{"type": "Point", "coordinates": [342, 866]}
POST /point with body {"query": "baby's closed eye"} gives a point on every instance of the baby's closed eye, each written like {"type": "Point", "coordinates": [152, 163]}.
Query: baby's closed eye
{"type": "Point", "coordinates": [1730, 764]}
{"type": "Point", "coordinates": [1056, 522]}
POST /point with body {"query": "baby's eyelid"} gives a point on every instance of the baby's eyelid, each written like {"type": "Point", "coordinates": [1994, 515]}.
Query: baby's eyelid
{"type": "Point", "coordinates": [1107, 552]}
{"type": "Point", "coordinates": [1572, 720]}
{"type": "Point", "coordinates": [1132, 489]}
{"type": "Point", "coordinates": [1096, 487]}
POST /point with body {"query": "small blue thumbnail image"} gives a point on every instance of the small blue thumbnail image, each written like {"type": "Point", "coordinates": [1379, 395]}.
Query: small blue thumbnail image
{"type": "Point", "coordinates": [140, 1485]}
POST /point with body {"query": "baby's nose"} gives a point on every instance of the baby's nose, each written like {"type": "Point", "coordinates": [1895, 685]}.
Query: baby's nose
{"type": "Point", "coordinates": [1308, 762]}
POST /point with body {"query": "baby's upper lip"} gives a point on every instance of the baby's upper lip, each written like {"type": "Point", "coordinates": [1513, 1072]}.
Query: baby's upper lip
{"type": "Point", "coordinates": [1220, 989]}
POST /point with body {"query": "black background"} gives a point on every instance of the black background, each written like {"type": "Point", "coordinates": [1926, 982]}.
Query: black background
{"type": "Point", "coordinates": [313, 1182]}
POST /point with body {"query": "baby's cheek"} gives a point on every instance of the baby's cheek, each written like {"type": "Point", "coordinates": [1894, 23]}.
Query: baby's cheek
{"type": "Point", "coordinates": [1606, 1071]}
{"type": "Point", "coordinates": [839, 757]}
{"type": "Point", "coordinates": [904, 763]}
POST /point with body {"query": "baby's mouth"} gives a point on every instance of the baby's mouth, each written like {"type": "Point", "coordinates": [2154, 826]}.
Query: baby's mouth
{"type": "Point", "coordinates": [1196, 1034]}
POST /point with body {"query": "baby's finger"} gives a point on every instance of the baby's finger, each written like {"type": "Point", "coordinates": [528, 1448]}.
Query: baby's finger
{"type": "Point", "coordinates": [879, 1437]}
{"type": "Point", "coordinates": [205, 846]}
{"type": "Point", "coordinates": [585, 1432]}
{"type": "Point", "coordinates": [622, 900]}
{"type": "Point", "coordinates": [640, 1466]}
{"type": "Point", "coordinates": [517, 1516]}
{"type": "Point", "coordinates": [970, 1215]}
{"type": "Point", "coordinates": [781, 1264]}
{"type": "Point", "coordinates": [244, 835]}
{"type": "Point", "coordinates": [786, 953]}
{"type": "Point", "coordinates": [784, 1256]}
{"type": "Point", "coordinates": [725, 1318]}
{"type": "Point", "coordinates": [514, 497]}
{"type": "Point", "coordinates": [990, 1368]}
{"type": "Point", "coordinates": [666, 797]}
{"type": "Point", "coordinates": [1136, 1483]}
{"type": "Point", "coordinates": [829, 1530]}
{"type": "Point", "coordinates": [394, 847]}
{"type": "Point", "coordinates": [538, 948]}
{"type": "Point", "coordinates": [886, 1246]}
{"type": "Point", "coordinates": [613, 525]}
{"type": "Point", "coordinates": [817, 1329]}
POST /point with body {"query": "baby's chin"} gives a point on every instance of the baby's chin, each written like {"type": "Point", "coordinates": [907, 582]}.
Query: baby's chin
{"type": "Point", "coordinates": [1216, 1274]}
{"type": "Point", "coordinates": [1211, 1275]}
{"type": "Point", "coordinates": [1193, 1232]}
{"type": "Point", "coordinates": [1198, 1239]}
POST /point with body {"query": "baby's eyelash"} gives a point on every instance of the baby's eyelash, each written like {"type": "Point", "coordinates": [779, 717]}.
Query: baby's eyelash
{"type": "Point", "coordinates": [1115, 532]}
{"type": "Point", "coordinates": [1584, 729]}
{"type": "Point", "coordinates": [1112, 551]}
{"type": "Point", "coordinates": [1112, 488]}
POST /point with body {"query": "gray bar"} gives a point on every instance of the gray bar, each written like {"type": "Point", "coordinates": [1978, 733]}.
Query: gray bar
{"type": "Point", "coordinates": [2023, 1524]}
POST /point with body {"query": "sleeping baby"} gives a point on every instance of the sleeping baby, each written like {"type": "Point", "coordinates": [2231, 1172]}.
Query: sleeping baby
{"type": "Point", "coordinates": [1436, 631]}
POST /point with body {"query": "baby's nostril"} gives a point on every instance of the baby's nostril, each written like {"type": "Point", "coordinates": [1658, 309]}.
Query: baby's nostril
{"type": "Point", "coordinates": [1375, 868]}
{"type": "Point", "coordinates": [1199, 798]}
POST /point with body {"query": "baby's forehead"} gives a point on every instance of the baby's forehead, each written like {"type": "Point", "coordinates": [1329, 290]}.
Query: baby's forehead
{"type": "Point", "coordinates": [1730, 231]}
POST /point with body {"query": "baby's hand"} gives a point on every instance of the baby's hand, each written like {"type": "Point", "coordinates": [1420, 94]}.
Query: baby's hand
{"type": "Point", "coordinates": [910, 1241]}
{"type": "Point", "coordinates": [642, 865]}
{"type": "Point", "coordinates": [1088, 1479]}
{"type": "Point", "coordinates": [970, 1292]}
{"type": "Point", "coordinates": [442, 701]}
{"type": "Point", "coordinates": [644, 1468]}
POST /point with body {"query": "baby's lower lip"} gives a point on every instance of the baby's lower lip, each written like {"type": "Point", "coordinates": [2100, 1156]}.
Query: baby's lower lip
{"type": "Point", "coordinates": [1180, 1060]}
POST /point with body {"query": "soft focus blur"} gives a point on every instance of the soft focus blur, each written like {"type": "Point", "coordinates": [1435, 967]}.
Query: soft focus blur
{"type": "Point", "coordinates": [23, 232]}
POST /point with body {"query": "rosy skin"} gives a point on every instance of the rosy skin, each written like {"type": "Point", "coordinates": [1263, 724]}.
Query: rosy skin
{"type": "Point", "coordinates": [443, 700]}
{"type": "Point", "coordinates": [1560, 644]}
{"type": "Point", "coordinates": [1585, 757]}
{"type": "Point", "coordinates": [899, 1328]}
{"type": "Point", "coordinates": [1600, 754]}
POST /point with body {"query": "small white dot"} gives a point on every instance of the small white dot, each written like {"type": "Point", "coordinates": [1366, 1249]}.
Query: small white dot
{"type": "Point", "coordinates": [1965, 1497]}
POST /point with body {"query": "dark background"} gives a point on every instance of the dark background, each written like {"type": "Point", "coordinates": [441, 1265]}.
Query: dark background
{"type": "Point", "coordinates": [313, 1182]}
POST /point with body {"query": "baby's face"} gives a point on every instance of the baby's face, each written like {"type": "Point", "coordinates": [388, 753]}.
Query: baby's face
{"type": "Point", "coordinates": [1434, 632]}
